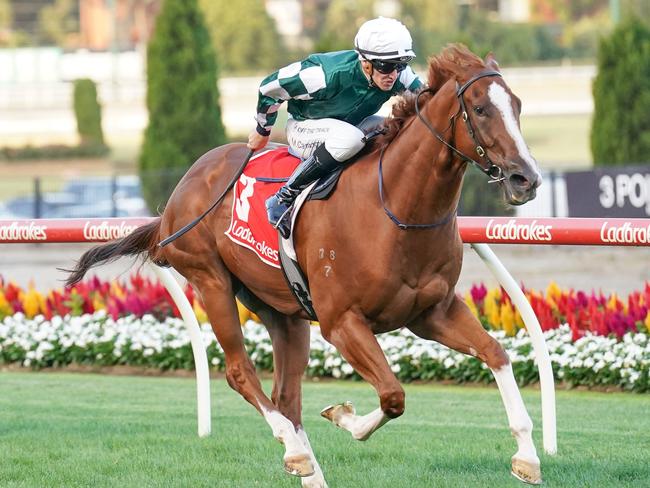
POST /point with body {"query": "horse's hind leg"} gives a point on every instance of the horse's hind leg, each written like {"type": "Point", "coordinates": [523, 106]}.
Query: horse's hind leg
{"type": "Point", "coordinates": [215, 287]}
{"type": "Point", "coordinates": [461, 331]}
{"type": "Point", "coordinates": [353, 338]}
{"type": "Point", "coordinates": [290, 338]}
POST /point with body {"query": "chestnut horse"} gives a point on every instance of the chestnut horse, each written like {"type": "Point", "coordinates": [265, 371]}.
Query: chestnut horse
{"type": "Point", "coordinates": [367, 275]}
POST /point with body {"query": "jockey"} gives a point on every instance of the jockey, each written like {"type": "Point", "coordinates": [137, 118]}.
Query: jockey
{"type": "Point", "coordinates": [332, 98]}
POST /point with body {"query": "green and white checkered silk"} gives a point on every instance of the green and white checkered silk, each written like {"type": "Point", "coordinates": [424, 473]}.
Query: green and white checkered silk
{"type": "Point", "coordinates": [330, 85]}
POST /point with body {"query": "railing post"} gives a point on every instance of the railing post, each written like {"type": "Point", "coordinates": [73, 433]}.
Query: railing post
{"type": "Point", "coordinates": [38, 198]}
{"type": "Point", "coordinates": [198, 348]}
{"type": "Point", "coordinates": [547, 385]}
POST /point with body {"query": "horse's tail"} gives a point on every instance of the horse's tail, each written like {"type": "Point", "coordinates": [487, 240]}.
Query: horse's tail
{"type": "Point", "coordinates": [144, 239]}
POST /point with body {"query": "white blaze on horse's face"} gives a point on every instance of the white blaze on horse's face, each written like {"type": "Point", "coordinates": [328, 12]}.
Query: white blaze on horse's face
{"type": "Point", "coordinates": [501, 99]}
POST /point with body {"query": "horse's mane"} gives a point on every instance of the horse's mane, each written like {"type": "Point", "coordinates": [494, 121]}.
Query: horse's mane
{"type": "Point", "coordinates": [453, 61]}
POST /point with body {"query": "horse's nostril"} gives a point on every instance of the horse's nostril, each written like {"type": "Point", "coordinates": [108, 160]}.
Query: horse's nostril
{"type": "Point", "coordinates": [519, 181]}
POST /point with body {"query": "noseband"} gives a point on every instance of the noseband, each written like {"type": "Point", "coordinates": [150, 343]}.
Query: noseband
{"type": "Point", "coordinates": [490, 169]}
{"type": "Point", "coordinates": [494, 173]}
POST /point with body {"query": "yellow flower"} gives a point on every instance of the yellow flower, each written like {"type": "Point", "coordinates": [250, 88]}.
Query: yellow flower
{"type": "Point", "coordinates": [646, 322]}
{"type": "Point", "coordinates": [519, 322]}
{"type": "Point", "coordinates": [553, 294]}
{"type": "Point", "coordinates": [5, 307]}
{"type": "Point", "coordinates": [31, 303]}
{"type": "Point", "coordinates": [201, 316]}
{"type": "Point", "coordinates": [117, 291]}
{"type": "Point", "coordinates": [507, 317]}
{"type": "Point", "coordinates": [470, 303]}
{"type": "Point", "coordinates": [553, 291]}
{"type": "Point", "coordinates": [98, 302]}
{"type": "Point", "coordinates": [491, 307]}
{"type": "Point", "coordinates": [244, 313]}
{"type": "Point", "coordinates": [613, 302]}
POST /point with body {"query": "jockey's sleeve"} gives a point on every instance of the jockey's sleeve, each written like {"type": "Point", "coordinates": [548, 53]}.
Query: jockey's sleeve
{"type": "Point", "coordinates": [299, 80]}
{"type": "Point", "coordinates": [410, 80]}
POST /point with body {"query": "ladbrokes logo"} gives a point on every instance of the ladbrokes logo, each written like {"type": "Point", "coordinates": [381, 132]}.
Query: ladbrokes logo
{"type": "Point", "coordinates": [244, 234]}
{"type": "Point", "coordinates": [23, 232]}
{"type": "Point", "coordinates": [625, 234]}
{"type": "Point", "coordinates": [513, 231]}
{"type": "Point", "coordinates": [106, 231]}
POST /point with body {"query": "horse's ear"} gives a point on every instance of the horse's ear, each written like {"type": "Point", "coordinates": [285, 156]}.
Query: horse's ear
{"type": "Point", "coordinates": [491, 62]}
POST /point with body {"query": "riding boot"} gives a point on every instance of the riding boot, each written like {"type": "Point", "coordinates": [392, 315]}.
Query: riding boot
{"type": "Point", "coordinates": [319, 164]}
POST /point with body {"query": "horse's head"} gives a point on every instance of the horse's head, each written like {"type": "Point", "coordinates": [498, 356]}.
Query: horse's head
{"type": "Point", "coordinates": [489, 133]}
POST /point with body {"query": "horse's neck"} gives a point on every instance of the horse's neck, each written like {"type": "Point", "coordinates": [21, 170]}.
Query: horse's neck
{"type": "Point", "coordinates": [422, 176]}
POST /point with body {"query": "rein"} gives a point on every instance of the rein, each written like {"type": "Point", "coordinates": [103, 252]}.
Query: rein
{"type": "Point", "coordinates": [491, 170]}
{"type": "Point", "coordinates": [191, 225]}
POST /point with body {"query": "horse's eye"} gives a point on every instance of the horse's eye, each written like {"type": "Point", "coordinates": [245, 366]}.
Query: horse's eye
{"type": "Point", "coordinates": [480, 111]}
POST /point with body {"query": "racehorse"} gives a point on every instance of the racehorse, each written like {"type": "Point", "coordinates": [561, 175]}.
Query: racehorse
{"type": "Point", "coordinates": [383, 252]}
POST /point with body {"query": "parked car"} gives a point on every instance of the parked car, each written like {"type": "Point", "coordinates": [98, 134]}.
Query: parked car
{"type": "Point", "coordinates": [5, 213]}
{"type": "Point", "coordinates": [119, 196]}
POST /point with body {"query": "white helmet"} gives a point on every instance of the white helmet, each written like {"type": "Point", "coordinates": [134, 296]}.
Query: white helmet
{"type": "Point", "coordinates": [384, 38]}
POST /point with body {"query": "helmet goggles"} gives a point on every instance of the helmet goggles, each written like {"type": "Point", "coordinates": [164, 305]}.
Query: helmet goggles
{"type": "Point", "coordinates": [386, 67]}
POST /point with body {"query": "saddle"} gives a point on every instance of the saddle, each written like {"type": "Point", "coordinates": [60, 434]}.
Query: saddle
{"type": "Point", "coordinates": [246, 208]}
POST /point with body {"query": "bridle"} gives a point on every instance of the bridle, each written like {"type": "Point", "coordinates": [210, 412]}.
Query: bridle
{"type": "Point", "coordinates": [494, 173]}
{"type": "Point", "coordinates": [490, 169]}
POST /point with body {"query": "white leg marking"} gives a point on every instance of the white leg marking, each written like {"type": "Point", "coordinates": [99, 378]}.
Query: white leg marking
{"type": "Point", "coordinates": [520, 424]}
{"type": "Point", "coordinates": [317, 480]}
{"type": "Point", "coordinates": [296, 456]}
{"type": "Point", "coordinates": [501, 100]}
{"type": "Point", "coordinates": [362, 427]}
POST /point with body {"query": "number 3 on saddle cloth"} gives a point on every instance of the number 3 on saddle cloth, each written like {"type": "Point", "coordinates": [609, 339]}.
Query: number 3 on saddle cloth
{"type": "Point", "coordinates": [249, 226]}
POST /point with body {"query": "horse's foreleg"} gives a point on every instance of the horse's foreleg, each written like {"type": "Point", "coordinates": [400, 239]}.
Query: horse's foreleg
{"type": "Point", "coordinates": [460, 330]}
{"type": "Point", "coordinates": [219, 300]}
{"type": "Point", "coordinates": [290, 340]}
{"type": "Point", "coordinates": [316, 480]}
{"type": "Point", "coordinates": [357, 344]}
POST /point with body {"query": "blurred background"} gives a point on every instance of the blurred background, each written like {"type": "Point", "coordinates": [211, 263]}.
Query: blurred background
{"type": "Point", "coordinates": [101, 110]}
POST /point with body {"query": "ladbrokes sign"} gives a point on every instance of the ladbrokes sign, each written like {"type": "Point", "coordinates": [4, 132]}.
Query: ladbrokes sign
{"type": "Point", "coordinates": [91, 230]}
{"type": "Point", "coordinates": [105, 231]}
{"type": "Point", "coordinates": [514, 231]}
{"type": "Point", "coordinates": [23, 231]}
{"type": "Point", "coordinates": [624, 233]}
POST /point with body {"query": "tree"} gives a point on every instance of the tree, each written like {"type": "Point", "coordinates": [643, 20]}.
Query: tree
{"type": "Point", "coordinates": [182, 99]}
{"type": "Point", "coordinates": [58, 22]}
{"type": "Point", "coordinates": [620, 131]}
{"type": "Point", "coordinates": [342, 21]}
{"type": "Point", "coordinates": [243, 35]}
{"type": "Point", "coordinates": [432, 25]}
{"type": "Point", "coordinates": [88, 113]}
{"type": "Point", "coordinates": [6, 15]}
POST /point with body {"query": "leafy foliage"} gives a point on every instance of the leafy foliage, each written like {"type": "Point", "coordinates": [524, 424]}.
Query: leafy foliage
{"type": "Point", "coordinates": [6, 14]}
{"type": "Point", "coordinates": [58, 22]}
{"type": "Point", "coordinates": [342, 21]}
{"type": "Point", "coordinates": [182, 98]}
{"type": "Point", "coordinates": [88, 113]}
{"type": "Point", "coordinates": [244, 36]}
{"type": "Point", "coordinates": [620, 132]}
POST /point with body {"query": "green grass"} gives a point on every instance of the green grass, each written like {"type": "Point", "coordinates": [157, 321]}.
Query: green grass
{"type": "Point", "coordinates": [74, 430]}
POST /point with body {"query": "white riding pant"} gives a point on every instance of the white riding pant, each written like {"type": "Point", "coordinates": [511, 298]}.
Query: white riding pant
{"type": "Point", "coordinates": [342, 140]}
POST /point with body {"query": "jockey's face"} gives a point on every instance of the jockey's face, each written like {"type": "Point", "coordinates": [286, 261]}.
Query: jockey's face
{"type": "Point", "coordinates": [384, 81]}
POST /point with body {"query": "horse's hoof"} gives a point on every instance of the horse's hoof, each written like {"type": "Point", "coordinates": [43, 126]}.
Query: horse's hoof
{"type": "Point", "coordinates": [299, 465]}
{"type": "Point", "coordinates": [526, 471]}
{"type": "Point", "coordinates": [333, 413]}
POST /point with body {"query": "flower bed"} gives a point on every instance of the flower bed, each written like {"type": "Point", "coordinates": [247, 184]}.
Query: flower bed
{"type": "Point", "coordinates": [97, 339]}
{"type": "Point", "coordinates": [594, 340]}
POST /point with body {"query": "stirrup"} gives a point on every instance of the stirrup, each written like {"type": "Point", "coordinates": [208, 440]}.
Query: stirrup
{"type": "Point", "coordinates": [283, 225]}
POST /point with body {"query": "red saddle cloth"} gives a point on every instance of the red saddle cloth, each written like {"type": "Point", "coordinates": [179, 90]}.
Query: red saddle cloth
{"type": "Point", "coordinates": [249, 226]}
